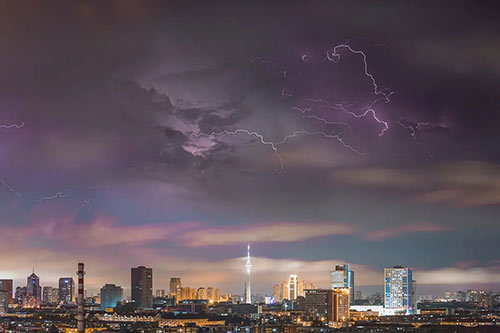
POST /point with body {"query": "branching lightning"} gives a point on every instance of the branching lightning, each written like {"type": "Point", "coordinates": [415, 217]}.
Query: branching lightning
{"type": "Point", "coordinates": [3, 182]}
{"type": "Point", "coordinates": [54, 196]}
{"type": "Point", "coordinates": [335, 57]}
{"type": "Point", "coordinates": [274, 144]}
{"type": "Point", "coordinates": [352, 109]}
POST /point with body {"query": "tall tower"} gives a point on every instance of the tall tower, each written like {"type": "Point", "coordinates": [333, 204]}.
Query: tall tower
{"type": "Point", "coordinates": [398, 296]}
{"type": "Point", "coordinates": [248, 291]}
{"type": "Point", "coordinates": [142, 287]}
{"type": "Point", "coordinates": [80, 315]}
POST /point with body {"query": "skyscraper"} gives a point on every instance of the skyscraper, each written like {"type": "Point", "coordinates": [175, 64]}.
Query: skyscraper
{"type": "Point", "coordinates": [398, 291]}
{"type": "Point", "coordinates": [33, 288]}
{"type": "Point", "coordinates": [300, 288]}
{"type": "Point", "coordinates": [6, 285]}
{"type": "Point", "coordinates": [110, 296]}
{"type": "Point", "coordinates": [343, 277]}
{"type": "Point", "coordinates": [285, 293]}
{"type": "Point", "coordinates": [50, 295]}
{"type": "Point", "coordinates": [66, 290]}
{"type": "Point", "coordinates": [277, 293]}
{"type": "Point", "coordinates": [202, 293]}
{"type": "Point", "coordinates": [217, 294]}
{"type": "Point", "coordinates": [248, 289]}
{"type": "Point", "coordinates": [293, 286]}
{"type": "Point", "coordinates": [339, 305]}
{"type": "Point", "coordinates": [142, 286]}
{"type": "Point", "coordinates": [211, 293]}
{"type": "Point", "coordinates": [175, 287]}
{"type": "Point", "coordinates": [4, 301]}
{"type": "Point", "coordinates": [328, 304]}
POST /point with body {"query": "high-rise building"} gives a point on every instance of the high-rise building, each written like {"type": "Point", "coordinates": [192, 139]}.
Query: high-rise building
{"type": "Point", "coordinates": [316, 302]}
{"type": "Point", "coordinates": [414, 294]}
{"type": "Point", "coordinates": [194, 293]}
{"type": "Point", "coordinates": [211, 293]}
{"type": "Point", "coordinates": [202, 293]}
{"type": "Point", "coordinates": [19, 295]}
{"type": "Point", "coordinates": [175, 287]}
{"type": "Point", "coordinates": [185, 294]}
{"type": "Point", "coordinates": [277, 293]}
{"type": "Point", "coordinates": [217, 294]}
{"type": "Point", "coordinates": [300, 288]}
{"type": "Point", "coordinates": [142, 286]}
{"type": "Point", "coordinates": [248, 288]}
{"type": "Point", "coordinates": [398, 291]}
{"type": "Point", "coordinates": [33, 288]}
{"type": "Point", "coordinates": [6, 285]}
{"type": "Point", "coordinates": [328, 304]}
{"type": "Point", "coordinates": [4, 301]}
{"type": "Point", "coordinates": [339, 305]}
{"type": "Point", "coordinates": [110, 296]}
{"type": "Point", "coordinates": [285, 292]}
{"type": "Point", "coordinates": [50, 295]}
{"type": "Point", "coordinates": [343, 277]}
{"type": "Point", "coordinates": [66, 290]}
{"type": "Point", "coordinates": [293, 286]}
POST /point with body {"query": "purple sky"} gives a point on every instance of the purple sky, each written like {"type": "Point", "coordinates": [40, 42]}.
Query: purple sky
{"type": "Point", "coordinates": [171, 135]}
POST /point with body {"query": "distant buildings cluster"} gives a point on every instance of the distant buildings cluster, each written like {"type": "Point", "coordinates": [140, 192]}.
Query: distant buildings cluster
{"type": "Point", "coordinates": [333, 304]}
{"type": "Point", "coordinates": [33, 295]}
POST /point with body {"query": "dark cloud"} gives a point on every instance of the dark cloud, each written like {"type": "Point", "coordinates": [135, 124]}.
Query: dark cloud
{"type": "Point", "coordinates": [120, 99]}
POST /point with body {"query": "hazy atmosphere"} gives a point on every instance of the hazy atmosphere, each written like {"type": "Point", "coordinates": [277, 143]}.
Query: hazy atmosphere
{"type": "Point", "coordinates": [321, 133]}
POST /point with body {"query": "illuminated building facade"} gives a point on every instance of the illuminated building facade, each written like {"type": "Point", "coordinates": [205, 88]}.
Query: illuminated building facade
{"type": "Point", "coordinates": [50, 295]}
{"type": "Point", "coordinates": [33, 289]}
{"type": "Point", "coordinates": [277, 293]}
{"type": "Point", "coordinates": [339, 305]}
{"type": "Point", "coordinates": [285, 294]}
{"type": "Point", "coordinates": [110, 296]}
{"type": "Point", "coordinates": [293, 286]}
{"type": "Point", "coordinates": [66, 290]}
{"type": "Point", "coordinates": [343, 277]}
{"type": "Point", "coordinates": [217, 294]}
{"type": "Point", "coordinates": [175, 287]}
{"type": "Point", "coordinates": [202, 293]}
{"type": "Point", "coordinates": [142, 286]}
{"type": "Point", "coordinates": [398, 291]}
{"type": "Point", "coordinates": [300, 288]}
{"type": "Point", "coordinates": [211, 293]}
{"type": "Point", "coordinates": [328, 304]}
{"type": "Point", "coordinates": [4, 301]}
{"type": "Point", "coordinates": [248, 288]}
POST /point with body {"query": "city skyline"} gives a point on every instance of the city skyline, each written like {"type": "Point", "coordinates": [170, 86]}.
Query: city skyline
{"type": "Point", "coordinates": [321, 134]}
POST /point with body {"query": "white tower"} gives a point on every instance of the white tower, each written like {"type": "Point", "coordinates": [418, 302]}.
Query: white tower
{"type": "Point", "coordinates": [248, 291]}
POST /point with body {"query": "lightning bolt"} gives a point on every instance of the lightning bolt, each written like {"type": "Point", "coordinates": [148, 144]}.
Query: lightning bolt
{"type": "Point", "coordinates": [57, 195]}
{"type": "Point", "coordinates": [13, 125]}
{"type": "Point", "coordinates": [335, 57]}
{"type": "Point", "coordinates": [413, 133]}
{"type": "Point", "coordinates": [3, 182]}
{"type": "Point", "coordinates": [352, 109]}
{"type": "Point", "coordinates": [323, 120]}
{"type": "Point", "coordinates": [262, 60]}
{"type": "Point", "coordinates": [356, 115]}
{"type": "Point", "coordinates": [274, 145]}
{"type": "Point", "coordinates": [6, 185]}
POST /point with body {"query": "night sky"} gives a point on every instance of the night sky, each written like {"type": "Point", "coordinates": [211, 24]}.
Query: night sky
{"type": "Point", "coordinates": [170, 135]}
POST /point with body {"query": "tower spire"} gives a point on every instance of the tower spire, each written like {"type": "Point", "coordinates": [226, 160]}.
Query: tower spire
{"type": "Point", "coordinates": [248, 289]}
